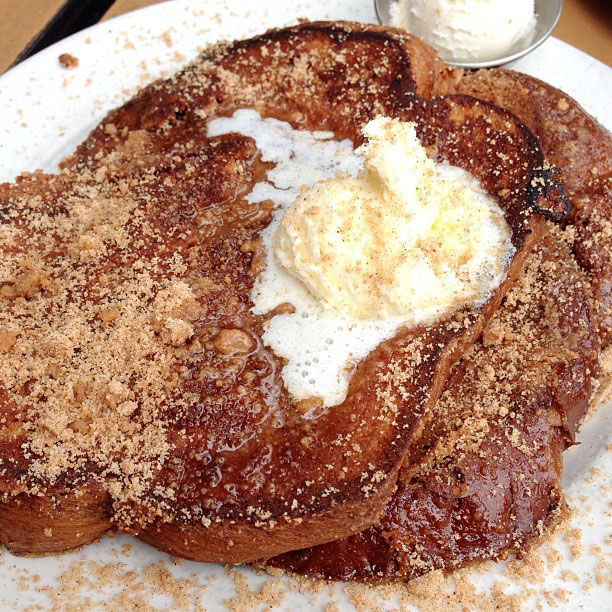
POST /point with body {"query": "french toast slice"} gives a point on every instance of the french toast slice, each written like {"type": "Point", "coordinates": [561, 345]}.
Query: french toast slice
{"type": "Point", "coordinates": [484, 480]}
{"type": "Point", "coordinates": [135, 389]}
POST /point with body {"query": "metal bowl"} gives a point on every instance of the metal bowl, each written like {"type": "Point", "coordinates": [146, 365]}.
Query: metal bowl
{"type": "Point", "coordinates": [547, 15]}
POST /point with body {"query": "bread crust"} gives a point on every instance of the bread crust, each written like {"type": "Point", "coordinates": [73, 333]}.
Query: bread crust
{"type": "Point", "coordinates": [60, 520]}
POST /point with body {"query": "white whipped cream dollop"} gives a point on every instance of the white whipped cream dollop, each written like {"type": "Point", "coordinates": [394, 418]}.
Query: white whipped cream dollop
{"type": "Point", "coordinates": [362, 243]}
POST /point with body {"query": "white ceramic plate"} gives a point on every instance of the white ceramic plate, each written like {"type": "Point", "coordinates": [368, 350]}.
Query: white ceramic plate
{"type": "Point", "coordinates": [46, 110]}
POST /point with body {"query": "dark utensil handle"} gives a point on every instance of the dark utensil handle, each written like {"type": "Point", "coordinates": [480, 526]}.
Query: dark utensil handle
{"type": "Point", "coordinates": [73, 16]}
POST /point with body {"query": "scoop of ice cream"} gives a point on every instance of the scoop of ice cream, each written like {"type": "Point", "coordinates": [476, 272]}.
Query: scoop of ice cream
{"type": "Point", "coordinates": [406, 236]}
{"type": "Point", "coordinates": [321, 344]}
{"type": "Point", "coordinates": [467, 30]}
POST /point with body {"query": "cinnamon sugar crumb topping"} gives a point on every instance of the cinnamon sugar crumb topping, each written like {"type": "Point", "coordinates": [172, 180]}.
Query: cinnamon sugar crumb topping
{"type": "Point", "coordinates": [89, 331]}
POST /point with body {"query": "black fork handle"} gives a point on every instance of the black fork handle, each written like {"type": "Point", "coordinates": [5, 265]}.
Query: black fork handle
{"type": "Point", "coordinates": [73, 16]}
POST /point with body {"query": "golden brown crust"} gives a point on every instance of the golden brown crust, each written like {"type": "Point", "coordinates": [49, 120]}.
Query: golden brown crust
{"type": "Point", "coordinates": [59, 520]}
{"type": "Point", "coordinates": [197, 444]}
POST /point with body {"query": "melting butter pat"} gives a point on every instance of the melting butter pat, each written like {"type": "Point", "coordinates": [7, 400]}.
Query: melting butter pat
{"type": "Point", "coordinates": [406, 236]}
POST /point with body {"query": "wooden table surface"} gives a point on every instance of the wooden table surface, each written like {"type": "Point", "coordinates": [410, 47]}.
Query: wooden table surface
{"type": "Point", "coordinates": [585, 24]}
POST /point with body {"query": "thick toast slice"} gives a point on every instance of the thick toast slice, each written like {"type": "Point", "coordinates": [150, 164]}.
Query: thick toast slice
{"type": "Point", "coordinates": [136, 391]}
{"type": "Point", "coordinates": [485, 478]}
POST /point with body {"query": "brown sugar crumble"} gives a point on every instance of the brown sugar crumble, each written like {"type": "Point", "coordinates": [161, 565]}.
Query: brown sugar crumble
{"type": "Point", "coordinates": [68, 61]}
{"type": "Point", "coordinates": [521, 584]}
